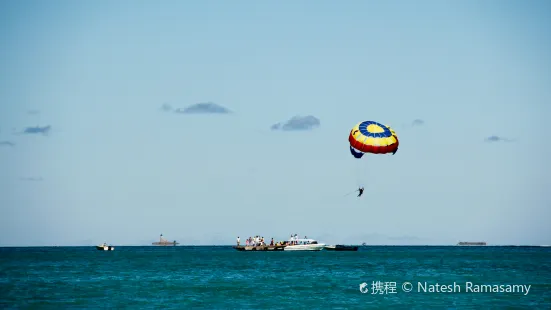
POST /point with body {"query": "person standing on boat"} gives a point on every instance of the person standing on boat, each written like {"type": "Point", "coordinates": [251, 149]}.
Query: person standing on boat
{"type": "Point", "coordinates": [238, 240]}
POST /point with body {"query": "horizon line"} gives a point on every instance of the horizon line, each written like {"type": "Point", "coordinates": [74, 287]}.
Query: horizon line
{"type": "Point", "coordinates": [232, 245]}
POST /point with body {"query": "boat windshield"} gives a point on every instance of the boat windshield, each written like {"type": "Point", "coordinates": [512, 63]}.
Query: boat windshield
{"type": "Point", "coordinates": [304, 241]}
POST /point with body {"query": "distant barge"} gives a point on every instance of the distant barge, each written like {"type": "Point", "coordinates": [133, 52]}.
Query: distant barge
{"type": "Point", "coordinates": [164, 242]}
{"type": "Point", "coordinates": [471, 243]}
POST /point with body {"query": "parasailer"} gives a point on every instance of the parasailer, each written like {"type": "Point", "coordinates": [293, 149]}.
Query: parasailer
{"type": "Point", "coordinates": [373, 138]}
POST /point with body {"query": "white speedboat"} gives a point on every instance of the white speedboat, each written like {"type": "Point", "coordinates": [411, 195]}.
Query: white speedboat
{"type": "Point", "coordinates": [304, 245]}
{"type": "Point", "coordinates": [105, 247]}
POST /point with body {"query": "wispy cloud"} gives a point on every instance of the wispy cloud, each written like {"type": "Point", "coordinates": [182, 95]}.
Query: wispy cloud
{"type": "Point", "coordinates": [37, 130]}
{"type": "Point", "coordinates": [415, 123]}
{"type": "Point", "coordinates": [298, 123]}
{"type": "Point", "coordinates": [6, 143]}
{"type": "Point", "coordinates": [497, 139]}
{"type": "Point", "coordinates": [198, 108]}
{"type": "Point", "coordinates": [166, 107]}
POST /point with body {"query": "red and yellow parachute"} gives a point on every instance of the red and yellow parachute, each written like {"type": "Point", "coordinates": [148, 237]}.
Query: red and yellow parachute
{"type": "Point", "coordinates": [372, 137]}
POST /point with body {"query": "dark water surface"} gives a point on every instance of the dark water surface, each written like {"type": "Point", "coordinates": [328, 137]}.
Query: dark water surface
{"type": "Point", "coordinates": [222, 278]}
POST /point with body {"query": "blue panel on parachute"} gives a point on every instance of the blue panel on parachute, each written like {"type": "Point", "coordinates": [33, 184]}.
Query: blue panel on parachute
{"type": "Point", "coordinates": [356, 154]}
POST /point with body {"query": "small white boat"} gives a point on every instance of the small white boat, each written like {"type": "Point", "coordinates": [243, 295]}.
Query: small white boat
{"type": "Point", "coordinates": [105, 247]}
{"type": "Point", "coordinates": [304, 245]}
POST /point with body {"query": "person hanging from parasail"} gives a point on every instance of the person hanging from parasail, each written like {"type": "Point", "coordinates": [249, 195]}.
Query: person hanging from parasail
{"type": "Point", "coordinates": [369, 137]}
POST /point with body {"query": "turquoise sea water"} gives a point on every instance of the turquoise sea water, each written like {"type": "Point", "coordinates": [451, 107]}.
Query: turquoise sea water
{"type": "Point", "coordinates": [221, 278]}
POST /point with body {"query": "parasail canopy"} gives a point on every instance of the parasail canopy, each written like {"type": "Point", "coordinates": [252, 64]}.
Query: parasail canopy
{"type": "Point", "coordinates": [372, 137]}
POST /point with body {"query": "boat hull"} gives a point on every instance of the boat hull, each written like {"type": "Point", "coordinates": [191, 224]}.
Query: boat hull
{"type": "Point", "coordinates": [105, 248]}
{"type": "Point", "coordinates": [471, 244]}
{"type": "Point", "coordinates": [305, 247]}
{"type": "Point", "coordinates": [341, 248]}
{"type": "Point", "coordinates": [165, 243]}
{"type": "Point", "coordinates": [259, 248]}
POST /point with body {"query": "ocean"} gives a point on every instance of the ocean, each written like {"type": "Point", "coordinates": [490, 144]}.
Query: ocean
{"type": "Point", "coordinates": [219, 277]}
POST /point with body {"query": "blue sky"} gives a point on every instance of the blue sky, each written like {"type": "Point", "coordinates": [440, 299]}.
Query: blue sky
{"type": "Point", "coordinates": [114, 166]}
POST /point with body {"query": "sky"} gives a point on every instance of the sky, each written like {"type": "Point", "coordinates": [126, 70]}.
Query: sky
{"type": "Point", "coordinates": [208, 120]}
